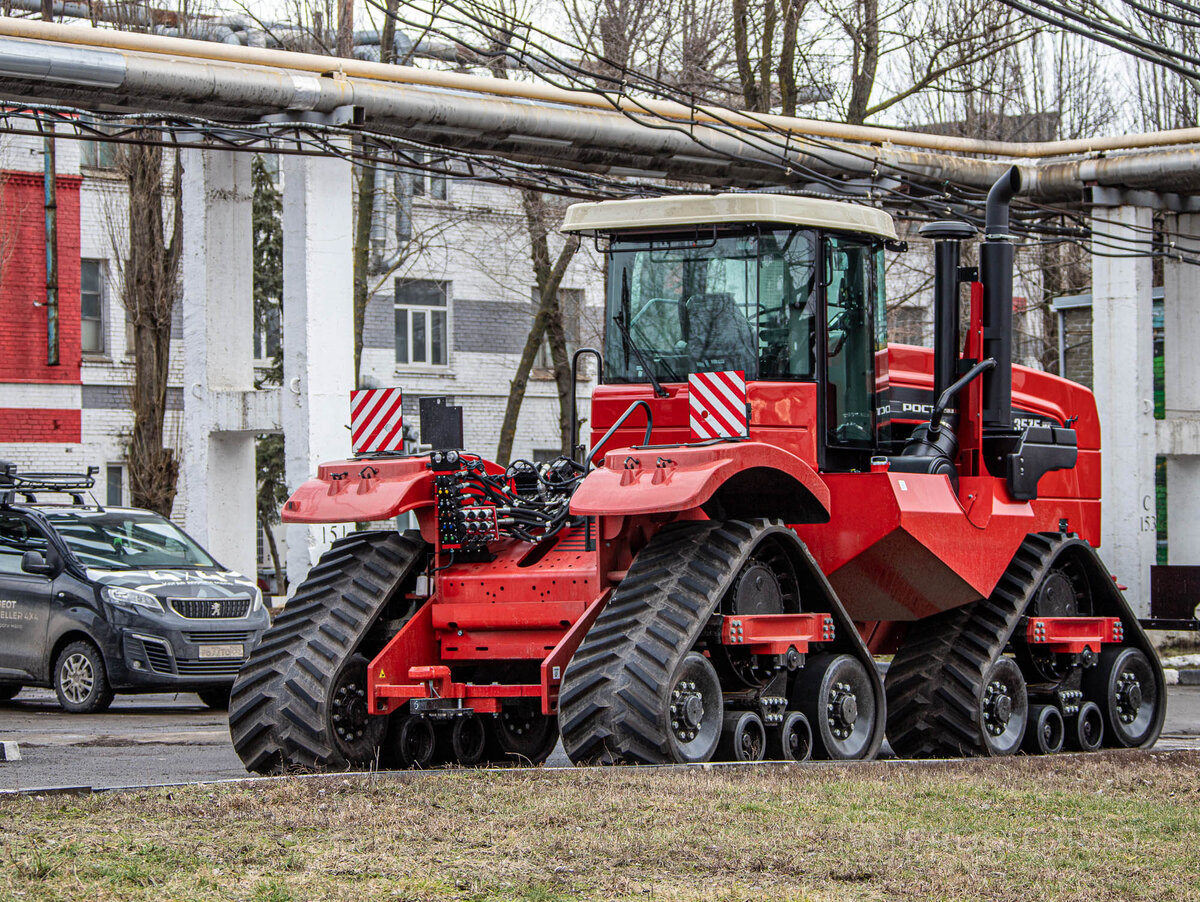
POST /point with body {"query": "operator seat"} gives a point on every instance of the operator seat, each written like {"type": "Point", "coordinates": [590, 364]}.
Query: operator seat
{"type": "Point", "coordinates": [718, 336]}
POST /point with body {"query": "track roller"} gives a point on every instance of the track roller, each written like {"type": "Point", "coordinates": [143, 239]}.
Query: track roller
{"type": "Point", "coordinates": [1085, 731]}
{"type": "Point", "coordinates": [416, 742]}
{"type": "Point", "coordinates": [467, 740]}
{"type": "Point", "coordinates": [696, 712]}
{"type": "Point", "coordinates": [792, 740]}
{"type": "Point", "coordinates": [356, 733]}
{"type": "Point", "coordinates": [834, 694]}
{"type": "Point", "coordinates": [1003, 708]}
{"type": "Point", "coordinates": [743, 737]}
{"type": "Point", "coordinates": [1045, 732]}
{"type": "Point", "coordinates": [521, 734]}
{"type": "Point", "coordinates": [1122, 685]}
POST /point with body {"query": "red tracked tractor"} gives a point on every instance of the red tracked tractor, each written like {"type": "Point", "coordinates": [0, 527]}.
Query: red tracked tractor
{"type": "Point", "coordinates": [774, 497]}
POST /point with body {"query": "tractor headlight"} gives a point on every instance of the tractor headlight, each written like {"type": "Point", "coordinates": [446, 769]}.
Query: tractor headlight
{"type": "Point", "coordinates": [132, 600]}
{"type": "Point", "coordinates": [436, 457]}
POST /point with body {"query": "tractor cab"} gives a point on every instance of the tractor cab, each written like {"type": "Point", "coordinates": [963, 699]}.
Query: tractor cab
{"type": "Point", "coordinates": [782, 290]}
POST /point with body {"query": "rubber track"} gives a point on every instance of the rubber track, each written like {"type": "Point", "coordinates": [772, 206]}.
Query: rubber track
{"type": "Point", "coordinates": [278, 712]}
{"type": "Point", "coordinates": [616, 688]}
{"type": "Point", "coordinates": [935, 683]}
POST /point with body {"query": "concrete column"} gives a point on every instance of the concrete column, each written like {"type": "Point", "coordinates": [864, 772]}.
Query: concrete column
{"type": "Point", "coordinates": [318, 332]}
{"type": "Point", "coordinates": [218, 364]}
{"type": "Point", "coordinates": [1181, 371]}
{"type": "Point", "coordinates": [1123, 363]}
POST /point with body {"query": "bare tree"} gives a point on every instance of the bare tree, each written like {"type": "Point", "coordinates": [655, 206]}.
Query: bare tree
{"type": "Point", "coordinates": [148, 256]}
{"type": "Point", "coordinates": [150, 289]}
{"type": "Point", "coordinates": [8, 236]}
{"type": "Point", "coordinates": [549, 278]}
{"type": "Point", "coordinates": [897, 50]}
{"type": "Point", "coordinates": [541, 219]}
{"type": "Point", "coordinates": [1050, 86]}
{"type": "Point", "coordinates": [765, 35]}
{"type": "Point", "coordinates": [1166, 99]}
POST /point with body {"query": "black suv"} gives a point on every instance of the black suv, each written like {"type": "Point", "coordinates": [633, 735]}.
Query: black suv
{"type": "Point", "coordinates": [96, 600]}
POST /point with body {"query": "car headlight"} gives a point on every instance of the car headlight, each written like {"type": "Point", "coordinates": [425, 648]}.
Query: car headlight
{"type": "Point", "coordinates": [256, 601]}
{"type": "Point", "coordinates": [130, 599]}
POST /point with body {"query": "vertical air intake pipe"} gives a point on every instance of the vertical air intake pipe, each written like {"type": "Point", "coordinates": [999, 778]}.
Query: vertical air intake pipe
{"type": "Point", "coordinates": [996, 274]}
{"type": "Point", "coordinates": [946, 236]}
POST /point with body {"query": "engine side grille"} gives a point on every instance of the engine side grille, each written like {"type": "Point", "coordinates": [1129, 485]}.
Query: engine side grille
{"type": "Point", "coordinates": [222, 637]}
{"type": "Point", "coordinates": [209, 668]}
{"type": "Point", "coordinates": [210, 608]}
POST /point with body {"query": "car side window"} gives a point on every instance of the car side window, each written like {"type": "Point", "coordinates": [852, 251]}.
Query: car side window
{"type": "Point", "coordinates": [18, 535]}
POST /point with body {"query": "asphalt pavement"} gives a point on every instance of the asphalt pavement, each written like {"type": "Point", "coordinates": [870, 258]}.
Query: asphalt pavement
{"type": "Point", "coordinates": [174, 738]}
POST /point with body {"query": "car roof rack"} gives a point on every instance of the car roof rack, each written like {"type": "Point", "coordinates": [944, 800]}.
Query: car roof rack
{"type": "Point", "coordinates": [29, 485]}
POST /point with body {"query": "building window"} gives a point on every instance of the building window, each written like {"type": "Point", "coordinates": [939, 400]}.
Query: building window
{"type": "Point", "coordinates": [91, 306]}
{"type": "Point", "coordinates": [130, 334]}
{"type": "Point", "coordinates": [426, 184]}
{"type": "Point", "coordinates": [570, 304]}
{"type": "Point", "coordinates": [268, 328]}
{"type": "Point", "coordinates": [421, 321]}
{"type": "Point", "coordinates": [907, 325]}
{"type": "Point", "coordinates": [114, 477]}
{"type": "Point", "coordinates": [99, 154]}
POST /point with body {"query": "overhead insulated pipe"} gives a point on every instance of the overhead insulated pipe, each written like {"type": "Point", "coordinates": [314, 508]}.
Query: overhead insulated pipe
{"type": "Point", "coordinates": [946, 236]}
{"type": "Point", "coordinates": [996, 273]}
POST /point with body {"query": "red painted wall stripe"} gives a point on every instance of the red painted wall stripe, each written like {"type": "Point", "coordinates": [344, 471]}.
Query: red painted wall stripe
{"type": "Point", "coordinates": [23, 281]}
{"type": "Point", "coordinates": [37, 424]}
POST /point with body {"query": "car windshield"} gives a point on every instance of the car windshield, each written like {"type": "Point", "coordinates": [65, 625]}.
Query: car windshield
{"type": "Point", "coordinates": [741, 301]}
{"type": "Point", "coordinates": [113, 540]}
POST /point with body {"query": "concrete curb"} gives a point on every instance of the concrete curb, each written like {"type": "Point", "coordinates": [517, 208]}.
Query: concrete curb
{"type": "Point", "coordinates": [9, 751]}
{"type": "Point", "coordinates": [1181, 677]}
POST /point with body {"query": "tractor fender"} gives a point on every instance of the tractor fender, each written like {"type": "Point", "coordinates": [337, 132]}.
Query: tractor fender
{"type": "Point", "coordinates": [728, 479]}
{"type": "Point", "coordinates": [348, 491]}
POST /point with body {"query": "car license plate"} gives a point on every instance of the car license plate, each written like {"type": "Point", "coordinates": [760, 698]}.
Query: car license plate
{"type": "Point", "coordinates": [221, 651]}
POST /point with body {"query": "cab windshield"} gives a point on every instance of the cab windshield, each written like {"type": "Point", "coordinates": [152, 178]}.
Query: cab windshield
{"type": "Point", "coordinates": [744, 300]}
{"type": "Point", "coordinates": [112, 540]}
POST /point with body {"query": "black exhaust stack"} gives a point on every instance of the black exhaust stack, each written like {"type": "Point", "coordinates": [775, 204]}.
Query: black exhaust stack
{"type": "Point", "coordinates": [946, 236]}
{"type": "Point", "coordinates": [996, 273]}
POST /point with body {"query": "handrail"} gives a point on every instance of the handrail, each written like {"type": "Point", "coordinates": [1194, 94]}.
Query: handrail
{"type": "Point", "coordinates": [617, 425]}
{"type": "Point", "coordinates": [575, 445]}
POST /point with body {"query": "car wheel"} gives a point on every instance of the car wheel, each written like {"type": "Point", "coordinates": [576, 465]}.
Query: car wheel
{"type": "Point", "coordinates": [80, 680]}
{"type": "Point", "coordinates": [217, 698]}
{"type": "Point", "coordinates": [8, 692]}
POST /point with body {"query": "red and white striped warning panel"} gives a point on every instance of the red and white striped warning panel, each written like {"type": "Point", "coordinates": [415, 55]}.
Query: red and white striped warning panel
{"type": "Point", "coordinates": [717, 405]}
{"type": "Point", "coordinates": [376, 423]}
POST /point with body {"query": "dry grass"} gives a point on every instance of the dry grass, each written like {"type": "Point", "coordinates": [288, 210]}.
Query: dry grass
{"type": "Point", "coordinates": [1113, 826]}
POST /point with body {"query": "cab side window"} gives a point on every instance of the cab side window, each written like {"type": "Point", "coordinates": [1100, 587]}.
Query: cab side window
{"type": "Point", "coordinates": [787, 311]}
{"type": "Point", "coordinates": [850, 292]}
{"type": "Point", "coordinates": [18, 535]}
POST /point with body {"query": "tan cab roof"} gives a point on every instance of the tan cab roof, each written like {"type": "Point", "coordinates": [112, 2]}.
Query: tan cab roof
{"type": "Point", "coordinates": [689, 210]}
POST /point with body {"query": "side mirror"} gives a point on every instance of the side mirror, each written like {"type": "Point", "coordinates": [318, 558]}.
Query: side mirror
{"type": "Point", "coordinates": [35, 562]}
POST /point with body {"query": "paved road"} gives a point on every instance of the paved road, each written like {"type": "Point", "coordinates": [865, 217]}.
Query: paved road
{"type": "Point", "coordinates": [175, 738]}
